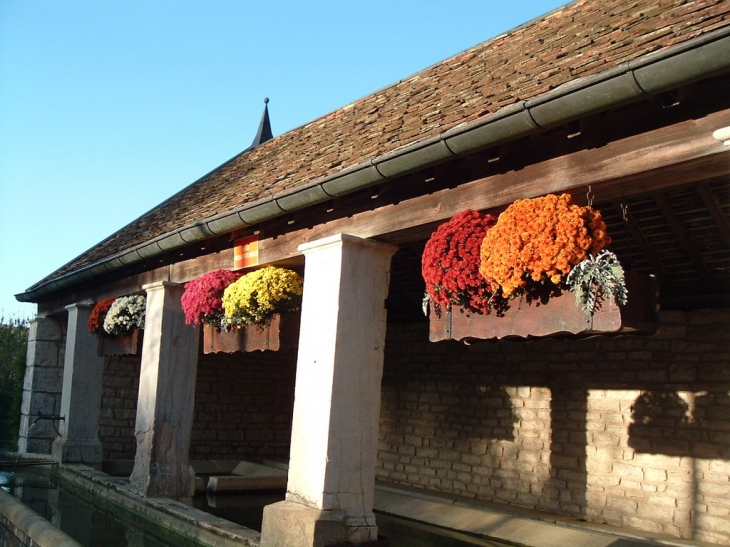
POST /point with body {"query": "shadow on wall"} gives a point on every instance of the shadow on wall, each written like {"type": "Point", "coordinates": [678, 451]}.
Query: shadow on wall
{"type": "Point", "coordinates": [567, 486]}
{"type": "Point", "coordinates": [681, 424]}
{"type": "Point", "coordinates": [489, 415]}
{"type": "Point", "coordinates": [441, 421]}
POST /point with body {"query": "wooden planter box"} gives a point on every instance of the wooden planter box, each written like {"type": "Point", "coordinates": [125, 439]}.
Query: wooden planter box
{"type": "Point", "coordinates": [126, 344]}
{"type": "Point", "coordinates": [542, 316]}
{"type": "Point", "coordinates": [283, 330]}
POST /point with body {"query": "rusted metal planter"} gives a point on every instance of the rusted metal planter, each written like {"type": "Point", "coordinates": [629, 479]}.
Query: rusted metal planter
{"type": "Point", "coordinates": [282, 330]}
{"type": "Point", "coordinates": [543, 315]}
{"type": "Point", "coordinates": [122, 344]}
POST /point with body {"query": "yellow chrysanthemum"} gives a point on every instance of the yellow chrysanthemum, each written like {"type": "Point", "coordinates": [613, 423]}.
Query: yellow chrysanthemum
{"type": "Point", "coordinates": [258, 295]}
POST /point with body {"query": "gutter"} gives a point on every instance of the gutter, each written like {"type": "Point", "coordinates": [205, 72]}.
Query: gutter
{"type": "Point", "coordinates": [703, 57]}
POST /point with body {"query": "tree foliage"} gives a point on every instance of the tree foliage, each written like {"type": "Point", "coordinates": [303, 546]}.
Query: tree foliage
{"type": "Point", "coordinates": [13, 347]}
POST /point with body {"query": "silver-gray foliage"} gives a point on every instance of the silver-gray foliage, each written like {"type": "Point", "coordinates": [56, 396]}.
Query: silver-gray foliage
{"type": "Point", "coordinates": [597, 278]}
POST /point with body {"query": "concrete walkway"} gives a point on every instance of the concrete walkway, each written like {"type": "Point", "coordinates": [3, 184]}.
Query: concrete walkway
{"type": "Point", "coordinates": [512, 525]}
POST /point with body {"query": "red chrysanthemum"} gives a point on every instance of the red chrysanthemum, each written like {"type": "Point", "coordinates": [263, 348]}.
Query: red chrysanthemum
{"type": "Point", "coordinates": [450, 264]}
{"type": "Point", "coordinates": [95, 324]}
{"type": "Point", "coordinates": [202, 299]}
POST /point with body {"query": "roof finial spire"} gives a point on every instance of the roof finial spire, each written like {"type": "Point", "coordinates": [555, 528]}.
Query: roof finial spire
{"type": "Point", "coordinates": [264, 133]}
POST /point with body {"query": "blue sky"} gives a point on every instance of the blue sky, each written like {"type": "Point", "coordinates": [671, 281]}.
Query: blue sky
{"type": "Point", "coordinates": [108, 108]}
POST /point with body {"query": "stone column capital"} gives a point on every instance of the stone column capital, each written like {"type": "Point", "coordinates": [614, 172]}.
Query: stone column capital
{"type": "Point", "coordinates": [341, 240]}
{"type": "Point", "coordinates": [161, 285]}
{"type": "Point", "coordinates": [83, 304]}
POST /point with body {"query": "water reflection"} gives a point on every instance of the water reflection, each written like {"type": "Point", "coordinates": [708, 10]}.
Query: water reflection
{"type": "Point", "coordinates": [84, 520]}
{"type": "Point", "coordinates": [91, 524]}
{"type": "Point", "coordinates": [244, 509]}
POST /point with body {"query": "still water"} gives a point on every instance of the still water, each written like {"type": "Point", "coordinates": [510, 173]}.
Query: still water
{"type": "Point", "coordinates": [102, 525]}
{"type": "Point", "coordinates": [89, 523]}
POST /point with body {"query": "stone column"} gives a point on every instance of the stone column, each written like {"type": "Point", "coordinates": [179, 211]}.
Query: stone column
{"type": "Point", "coordinates": [166, 397]}
{"type": "Point", "coordinates": [337, 398]}
{"type": "Point", "coordinates": [42, 385]}
{"type": "Point", "coordinates": [81, 397]}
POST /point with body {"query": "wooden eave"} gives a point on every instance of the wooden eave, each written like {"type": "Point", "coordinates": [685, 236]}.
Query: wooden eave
{"type": "Point", "coordinates": [655, 172]}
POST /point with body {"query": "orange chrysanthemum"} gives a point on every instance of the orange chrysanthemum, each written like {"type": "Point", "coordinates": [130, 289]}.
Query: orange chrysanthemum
{"type": "Point", "coordinates": [95, 324]}
{"type": "Point", "coordinates": [540, 239]}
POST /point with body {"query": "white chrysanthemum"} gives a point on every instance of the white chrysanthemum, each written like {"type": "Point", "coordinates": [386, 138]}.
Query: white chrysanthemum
{"type": "Point", "coordinates": [125, 314]}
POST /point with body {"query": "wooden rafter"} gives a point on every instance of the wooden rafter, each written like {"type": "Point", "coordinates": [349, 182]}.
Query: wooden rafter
{"type": "Point", "coordinates": [687, 246]}
{"type": "Point", "coordinates": [715, 210]}
{"type": "Point", "coordinates": [644, 245]}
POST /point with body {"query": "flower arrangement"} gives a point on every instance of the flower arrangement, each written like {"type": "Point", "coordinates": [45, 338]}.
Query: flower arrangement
{"type": "Point", "coordinates": [540, 240]}
{"type": "Point", "coordinates": [202, 300]}
{"type": "Point", "coordinates": [258, 295]}
{"type": "Point", "coordinates": [450, 264]}
{"type": "Point", "coordinates": [125, 314]}
{"type": "Point", "coordinates": [95, 324]}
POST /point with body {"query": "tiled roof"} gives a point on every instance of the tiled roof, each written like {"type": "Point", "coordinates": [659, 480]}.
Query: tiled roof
{"type": "Point", "coordinates": [581, 39]}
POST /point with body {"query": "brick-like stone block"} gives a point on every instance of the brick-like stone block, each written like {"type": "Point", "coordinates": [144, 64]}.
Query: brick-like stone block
{"type": "Point", "coordinates": [46, 329]}
{"type": "Point", "coordinates": [655, 475]}
{"type": "Point", "coordinates": [45, 403]}
{"type": "Point", "coordinates": [656, 512]}
{"type": "Point", "coordinates": [46, 353]}
{"type": "Point", "coordinates": [642, 524]}
{"type": "Point", "coordinates": [668, 318]}
{"type": "Point", "coordinates": [710, 317]}
{"type": "Point", "coordinates": [626, 470]}
{"type": "Point", "coordinates": [38, 446]}
{"type": "Point", "coordinates": [43, 379]}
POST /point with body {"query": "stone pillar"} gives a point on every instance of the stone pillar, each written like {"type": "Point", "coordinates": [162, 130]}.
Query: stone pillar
{"type": "Point", "coordinates": [42, 385]}
{"type": "Point", "coordinates": [81, 397]}
{"type": "Point", "coordinates": [337, 398]}
{"type": "Point", "coordinates": [166, 397]}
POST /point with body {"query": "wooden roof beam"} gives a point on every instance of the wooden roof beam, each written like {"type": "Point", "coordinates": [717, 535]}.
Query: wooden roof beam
{"type": "Point", "coordinates": [644, 244]}
{"type": "Point", "coordinates": [687, 246]}
{"type": "Point", "coordinates": [715, 210]}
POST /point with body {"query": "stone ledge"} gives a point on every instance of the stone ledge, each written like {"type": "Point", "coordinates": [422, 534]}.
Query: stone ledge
{"type": "Point", "coordinates": [29, 527]}
{"type": "Point", "coordinates": [511, 524]}
{"type": "Point", "coordinates": [187, 521]}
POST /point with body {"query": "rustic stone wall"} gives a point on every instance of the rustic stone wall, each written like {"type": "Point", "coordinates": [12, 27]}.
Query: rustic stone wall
{"type": "Point", "coordinates": [42, 384]}
{"type": "Point", "coordinates": [243, 405]}
{"type": "Point", "coordinates": [629, 430]}
{"type": "Point", "coordinates": [120, 387]}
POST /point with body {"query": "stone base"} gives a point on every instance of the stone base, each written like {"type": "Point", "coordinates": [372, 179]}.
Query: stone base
{"type": "Point", "coordinates": [291, 524]}
{"type": "Point", "coordinates": [75, 451]}
{"type": "Point", "coordinates": [157, 480]}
